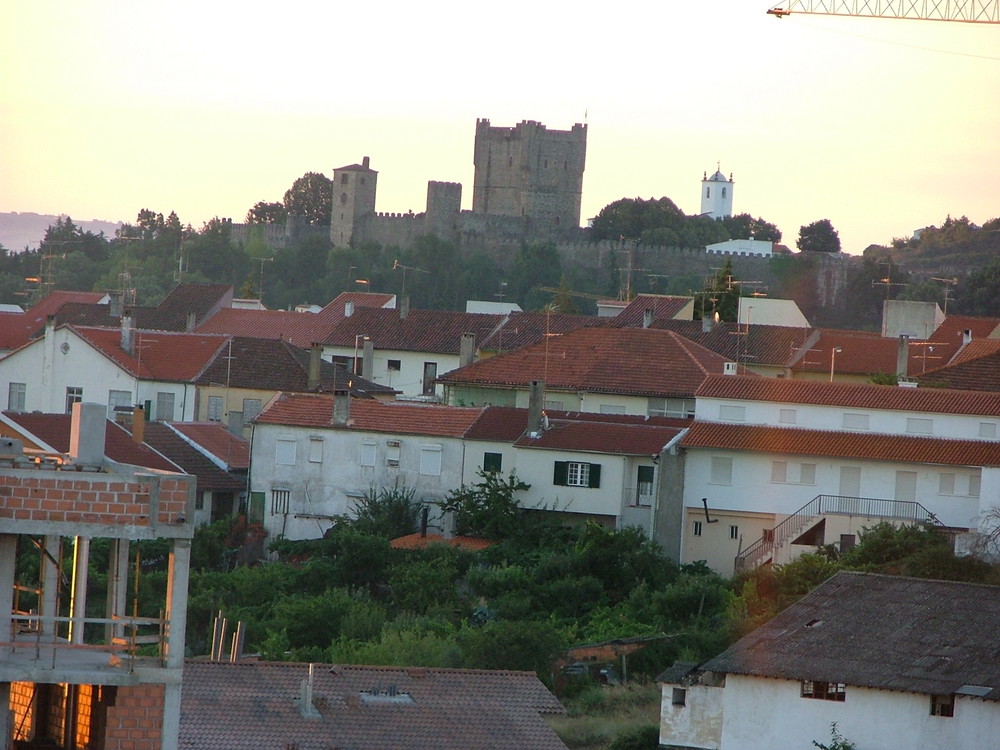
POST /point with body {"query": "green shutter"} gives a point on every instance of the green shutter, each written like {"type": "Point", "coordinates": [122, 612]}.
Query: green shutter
{"type": "Point", "coordinates": [595, 475]}
{"type": "Point", "coordinates": [560, 474]}
{"type": "Point", "coordinates": [255, 513]}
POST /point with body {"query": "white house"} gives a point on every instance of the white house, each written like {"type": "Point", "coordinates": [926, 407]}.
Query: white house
{"type": "Point", "coordinates": [118, 368]}
{"type": "Point", "coordinates": [893, 662]}
{"type": "Point", "coordinates": [313, 456]}
{"type": "Point", "coordinates": [774, 466]}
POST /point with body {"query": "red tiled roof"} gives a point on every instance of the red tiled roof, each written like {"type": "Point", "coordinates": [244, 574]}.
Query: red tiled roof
{"type": "Point", "coordinates": [948, 337]}
{"type": "Point", "coordinates": [632, 439]}
{"type": "Point", "coordinates": [524, 328]}
{"type": "Point", "coordinates": [208, 474]}
{"type": "Point", "coordinates": [54, 429]}
{"type": "Point", "coordinates": [861, 353]}
{"type": "Point", "coordinates": [184, 299]}
{"type": "Point", "coordinates": [508, 423]}
{"type": "Point", "coordinates": [635, 361]}
{"type": "Point", "coordinates": [16, 329]}
{"type": "Point", "coordinates": [853, 445]}
{"type": "Point", "coordinates": [746, 344]}
{"type": "Point", "coordinates": [975, 349]}
{"type": "Point", "coordinates": [421, 541]}
{"type": "Point", "coordinates": [406, 418]}
{"type": "Point", "coordinates": [215, 439]}
{"type": "Point", "coordinates": [297, 328]}
{"type": "Point", "coordinates": [438, 331]}
{"type": "Point", "coordinates": [253, 705]}
{"type": "Point", "coordinates": [159, 355]}
{"type": "Point", "coordinates": [337, 305]}
{"type": "Point", "coordinates": [664, 307]}
{"type": "Point", "coordinates": [854, 395]}
{"type": "Point", "coordinates": [975, 368]}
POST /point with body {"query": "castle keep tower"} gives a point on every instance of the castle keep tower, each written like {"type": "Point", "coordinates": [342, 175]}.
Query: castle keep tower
{"type": "Point", "coordinates": [353, 199]}
{"type": "Point", "coordinates": [716, 195]}
{"type": "Point", "coordinates": [529, 171]}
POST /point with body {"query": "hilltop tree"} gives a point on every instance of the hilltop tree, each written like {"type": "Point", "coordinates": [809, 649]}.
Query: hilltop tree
{"type": "Point", "coordinates": [818, 237]}
{"type": "Point", "coordinates": [267, 213]}
{"type": "Point", "coordinates": [311, 195]}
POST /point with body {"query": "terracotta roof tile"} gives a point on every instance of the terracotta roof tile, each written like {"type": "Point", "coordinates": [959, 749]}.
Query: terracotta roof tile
{"type": "Point", "coordinates": [215, 439]}
{"type": "Point", "coordinates": [855, 445]}
{"type": "Point", "coordinates": [405, 418]}
{"type": "Point", "coordinates": [948, 337]}
{"type": "Point", "coordinates": [201, 300]}
{"type": "Point", "coordinates": [635, 361]}
{"type": "Point", "coordinates": [630, 439]}
{"type": "Point", "coordinates": [853, 395]}
{"type": "Point", "coordinates": [525, 328]}
{"type": "Point", "coordinates": [16, 329]}
{"type": "Point", "coordinates": [976, 368]}
{"type": "Point", "coordinates": [159, 355]}
{"type": "Point", "coordinates": [438, 331]}
{"type": "Point", "coordinates": [663, 307]}
{"type": "Point", "coordinates": [297, 328]}
{"type": "Point", "coordinates": [751, 345]}
{"type": "Point", "coordinates": [252, 705]}
{"type": "Point", "coordinates": [192, 461]}
{"type": "Point", "coordinates": [54, 429]}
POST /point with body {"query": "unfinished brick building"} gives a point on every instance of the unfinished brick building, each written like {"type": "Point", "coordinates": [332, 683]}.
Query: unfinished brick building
{"type": "Point", "coordinates": [69, 679]}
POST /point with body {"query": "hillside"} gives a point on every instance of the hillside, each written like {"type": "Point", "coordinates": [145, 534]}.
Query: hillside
{"type": "Point", "coordinates": [26, 230]}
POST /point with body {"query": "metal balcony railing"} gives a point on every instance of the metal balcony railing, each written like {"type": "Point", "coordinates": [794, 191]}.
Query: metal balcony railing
{"type": "Point", "coordinates": [830, 505]}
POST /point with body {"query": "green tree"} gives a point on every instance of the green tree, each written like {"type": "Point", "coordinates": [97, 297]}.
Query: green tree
{"type": "Point", "coordinates": [629, 218]}
{"type": "Point", "coordinates": [389, 512]}
{"type": "Point", "coordinates": [640, 738]}
{"type": "Point", "coordinates": [818, 237]}
{"type": "Point", "coordinates": [979, 292]}
{"type": "Point", "coordinates": [487, 508]}
{"type": "Point", "coordinates": [744, 226]}
{"type": "Point", "coordinates": [311, 195]}
{"type": "Point", "coordinates": [536, 264]}
{"type": "Point", "coordinates": [721, 295]}
{"type": "Point", "coordinates": [267, 213]}
{"type": "Point", "coordinates": [524, 644]}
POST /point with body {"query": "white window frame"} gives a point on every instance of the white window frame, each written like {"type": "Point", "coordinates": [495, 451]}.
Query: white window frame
{"type": "Point", "coordinates": [285, 451]}
{"type": "Point", "coordinates": [251, 408]}
{"type": "Point", "coordinates": [612, 409]}
{"type": "Point", "coordinates": [946, 483]}
{"type": "Point", "coordinates": [788, 416]}
{"type": "Point", "coordinates": [368, 448]}
{"type": "Point", "coordinates": [919, 426]}
{"type": "Point", "coordinates": [216, 408]}
{"type": "Point", "coordinates": [430, 459]}
{"type": "Point", "coordinates": [165, 406]}
{"type": "Point", "coordinates": [315, 449]}
{"type": "Point", "coordinates": [116, 399]}
{"type": "Point", "coordinates": [856, 421]}
{"type": "Point", "coordinates": [17, 396]}
{"type": "Point", "coordinates": [732, 413]}
{"type": "Point", "coordinates": [988, 430]}
{"type": "Point", "coordinates": [577, 474]}
{"type": "Point", "coordinates": [721, 471]}
{"type": "Point", "coordinates": [74, 395]}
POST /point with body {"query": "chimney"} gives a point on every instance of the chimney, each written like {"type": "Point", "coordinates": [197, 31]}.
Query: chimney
{"type": "Point", "coordinates": [708, 322]}
{"type": "Point", "coordinates": [306, 706]}
{"type": "Point", "coordinates": [190, 322]}
{"type": "Point", "coordinates": [127, 342]}
{"type": "Point", "coordinates": [647, 318]}
{"type": "Point", "coordinates": [966, 337]}
{"type": "Point", "coordinates": [86, 436]}
{"type": "Point", "coordinates": [348, 308]}
{"type": "Point", "coordinates": [115, 306]}
{"type": "Point", "coordinates": [467, 349]}
{"type": "Point", "coordinates": [341, 408]}
{"type": "Point", "coordinates": [314, 366]}
{"type": "Point", "coordinates": [536, 402]}
{"type": "Point", "coordinates": [368, 359]}
{"type": "Point", "coordinates": [903, 356]}
{"type": "Point", "coordinates": [138, 424]}
{"type": "Point", "coordinates": [404, 308]}
{"type": "Point", "coordinates": [365, 162]}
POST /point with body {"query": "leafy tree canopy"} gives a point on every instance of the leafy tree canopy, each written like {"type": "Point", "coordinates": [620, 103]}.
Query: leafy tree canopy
{"type": "Point", "coordinates": [267, 213]}
{"type": "Point", "coordinates": [311, 195]}
{"type": "Point", "coordinates": [818, 237]}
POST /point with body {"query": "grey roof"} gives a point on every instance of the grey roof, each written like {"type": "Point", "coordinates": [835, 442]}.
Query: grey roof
{"type": "Point", "coordinates": [252, 705]}
{"type": "Point", "coordinates": [878, 631]}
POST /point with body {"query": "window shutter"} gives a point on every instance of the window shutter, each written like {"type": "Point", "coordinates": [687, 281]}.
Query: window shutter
{"type": "Point", "coordinates": [595, 475]}
{"type": "Point", "coordinates": [560, 475]}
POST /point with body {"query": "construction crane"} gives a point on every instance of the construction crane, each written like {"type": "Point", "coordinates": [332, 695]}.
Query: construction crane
{"type": "Point", "coordinates": [966, 11]}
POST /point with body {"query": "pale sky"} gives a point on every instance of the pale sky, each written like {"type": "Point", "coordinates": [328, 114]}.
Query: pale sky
{"type": "Point", "coordinates": [206, 107]}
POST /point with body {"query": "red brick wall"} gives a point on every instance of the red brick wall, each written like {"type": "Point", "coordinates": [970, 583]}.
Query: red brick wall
{"type": "Point", "coordinates": [102, 499]}
{"type": "Point", "coordinates": [135, 722]}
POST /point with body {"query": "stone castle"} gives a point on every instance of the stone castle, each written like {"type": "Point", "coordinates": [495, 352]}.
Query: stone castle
{"type": "Point", "coordinates": [528, 184]}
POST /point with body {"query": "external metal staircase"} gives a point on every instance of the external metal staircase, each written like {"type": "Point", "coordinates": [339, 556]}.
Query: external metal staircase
{"type": "Point", "coordinates": [762, 551]}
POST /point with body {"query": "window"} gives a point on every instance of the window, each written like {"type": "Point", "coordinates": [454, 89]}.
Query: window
{"type": "Point", "coordinates": [987, 429]}
{"type": "Point", "coordinates": [315, 450]}
{"type": "Point", "coordinates": [975, 484]}
{"type": "Point", "coordinates": [645, 485]}
{"type": "Point", "coordinates": [164, 406]}
{"type": "Point", "coordinates": [787, 416]}
{"type": "Point", "coordinates": [612, 409]}
{"type": "Point", "coordinates": [783, 472]}
{"type": "Point", "coordinates": [430, 375]}
{"type": "Point", "coordinates": [392, 453]}
{"type": "Point", "coordinates": [850, 481]}
{"type": "Point", "coordinates": [697, 528]}
{"type": "Point", "coordinates": [576, 474]}
{"type": "Point", "coordinates": [117, 399]}
{"type": "Point", "coordinates": [855, 421]}
{"type": "Point", "coordinates": [723, 192]}
{"type": "Point", "coordinates": [807, 474]}
{"type": "Point", "coordinates": [946, 483]}
{"type": "Point", "coordinates": [919, 426]}
{"type": "Point", "coordinates": [279, 501]}
{"type": "Point", "coordinates": [670, 407]}
{"type": "Point", "coordinates": [251, 408]}
{"type": "Point", "coordinates": [394, 365]}
{"type": "Point", "coordinates": [906, 486]}
{"type": "Point", "coordinates": [430, 460]}
{"type": "Point", "coordinates": [943, 705]}
{"type": "Point", "coordinates": [730, 413]}
{"type": "Point", "coordinates": [343, 181]}
{"type": "Point", "coordinates": [16, 396]}
{"type": "Point", "coordinates": [74, 395]}
{"type": "Point", "coordinates": [779, 471]}
{"type": "Point", "coordinates": [492, 461]}
{"type": "Point", "coordinates": [215, 408]}
{"type": "Point", "coordinates": [708, 192]}
{"type": "Point", "coordinates": [734, 532]}
{"type": "Point", "coordinates": [368, 453]}
{"type": "Point", "coordinates": [722, 470]}
{"type": "Point", "coordinates": [824, 691]}
{"type": "Point", "coordinates": [284, 451]}
{"type": "Point", "coordinates": [553, 405]}
{"type": "Point", "coordinates": [679, 697]}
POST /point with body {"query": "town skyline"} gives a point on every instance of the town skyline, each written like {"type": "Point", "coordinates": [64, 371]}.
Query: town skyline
{"type": "Point", "coordinates": [874, 124]}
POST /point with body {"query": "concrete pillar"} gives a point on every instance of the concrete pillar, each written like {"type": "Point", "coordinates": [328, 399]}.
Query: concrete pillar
{"type": "Point", "coordinates": [87, 431]}
{"type": "Point", "coordinates": [368, 360]}
{"type": "Point", "coordinates": [8, 563]}
{"type": "Point", "coordinates": [50, 584]}
{"type": "Point", "coordinates": [6, 717]}
{"type": "Point", "coordinates": [171, 727]}
{"type": "Point", "coordinates": [178, 573]}
{"type": "Point", "coordinates": [78, 595]}
{"type": "Point", "coordinates": [117, 600]}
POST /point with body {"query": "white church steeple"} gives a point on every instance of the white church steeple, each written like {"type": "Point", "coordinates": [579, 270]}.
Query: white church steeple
{"type": "Point", "coordinates": [716, 195]}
